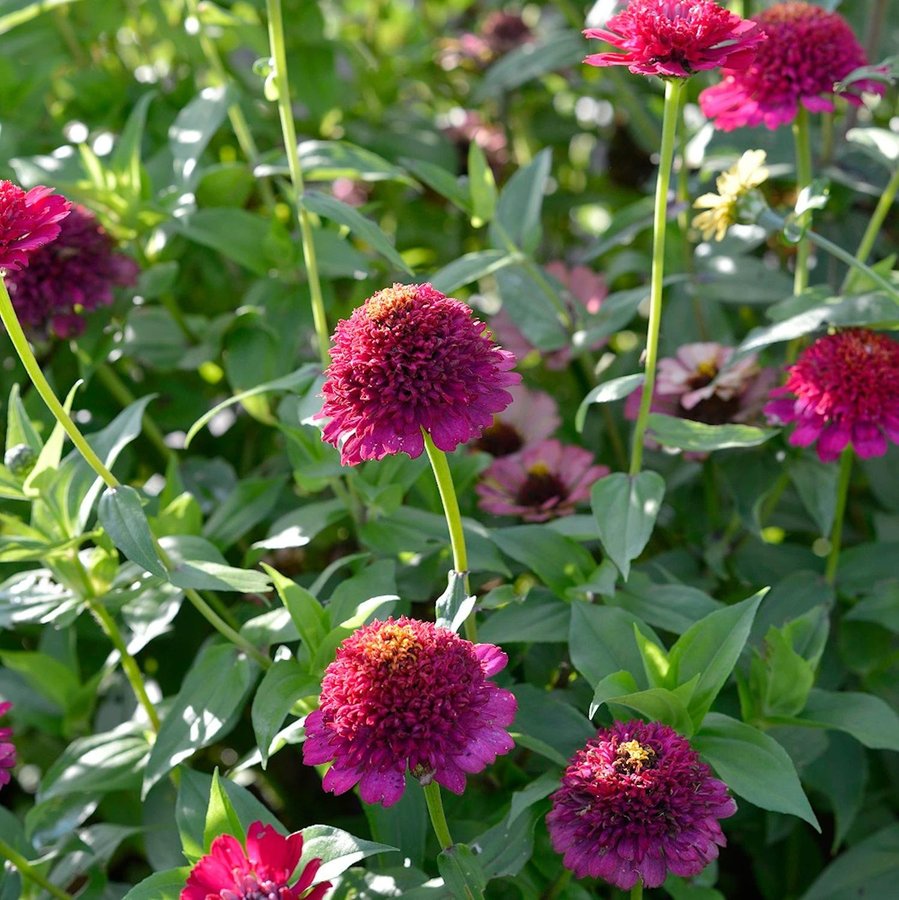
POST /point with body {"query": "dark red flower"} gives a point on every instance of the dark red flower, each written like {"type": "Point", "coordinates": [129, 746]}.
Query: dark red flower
{"type": "Point", "coordinates": [7, 748]}
{"type": "Point", "coordinates": [845, 390]}
{"type": "Point", "coordinates": [672, 38]}
{"type": "Point", "coordinates": [261, 872]}
{"type": "Point", "coordinates": [27, 221]}
{"type": "Point", "coordinates": [73, 274]}
{"type": "Point", "coordinates": [635, 803]}
{"type": "Point", "coordinates": [808, 50]}
{"type": "Point", "coordinates": [411, 360]}
{"type": "Point", "coordinates": [406, 695]}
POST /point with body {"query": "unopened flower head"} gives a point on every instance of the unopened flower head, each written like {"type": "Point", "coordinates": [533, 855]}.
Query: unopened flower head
{"type": "Point", "coordinates": [411, 360]}
{"type": "Point", "coordinates": [671, 38]}
{"type": "Point", "coordinates": [729, 205]}
{"type": "Point", "coordinates": [7, 748]}
{"type": "Point", "coordinates": [842, 391]}
{"type": "Point", "coordinates": [73, 274]}
{"type": "Point", "coordinates": [27, 221]}
{"type": "Point", "coordinates": [262, 871]}
{"type": "Point", "coordinates": [807, 52]}
{"type": "Point", "coordinates": [531, 417]}
{"type": "Point", "coordinates": [542, 482]}
{"type": "Point", "coordinates": [408, 696]}
{"type": "Point", "coordinates": [636, 803]}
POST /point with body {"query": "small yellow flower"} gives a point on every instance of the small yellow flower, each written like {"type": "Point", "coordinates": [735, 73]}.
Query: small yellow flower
{"type": "Point", "coordinates": [733, 185]}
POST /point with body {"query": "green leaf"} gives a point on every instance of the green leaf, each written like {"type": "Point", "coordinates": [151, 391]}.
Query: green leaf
{"type": "Point", "coordinates": [238, 234]}
{"type": "Point", "coordinates": [684, 434]}
{"type": "Point", "coordinates": [551, 721]}
{"type": "Point", "coordinates": [438, 179]}
{"type": "Point", "coordinates": [199, 565]}
{"type": "Point", "coordinates": [46, 674]}
{"type": "Point", "coordinates": [245, 507]}
{"type": "Point", "coordinates": [462, 873]}
{"type": "Point", "coordinates": [540, 618]}
{"type": "Point", "coordinates": [481, 186]}
{"type": "Point", "coordinates": [193, 129]}
{"type": "Point", "coordinates": [309, 616]}
{"type": "Point", "coordinates": [453, 606]}
{"type": "Point", "coordinates": [51, 453]}
{"type": "Point", "coordinates": [816, 483]}
{"type": "Point", "coordinates": [753, 765]}
{"type": "Point", "coordinates": [221, 817]}
{"type": "Point", "coordinates": [657, 704]}
{"type": "Point", "coordinates": [559, 562]}
{"type": "Point", "coordinates": [625, 508]}
{"type": "Point", "coordinates": [282, 686]}
{"type": "Point", "coordinates": [166, 885]}
{"type": "Point", "coordinates": [671, 607]}
{"type": "Point", "coordinates": [125, 158]}
{"type": "Point", "coordinates": [344, 214]}
{"type": "Point", "coordinates": [19, 429]}
{"type": "Point", "coordinates": [517, 218]}
{"type": "Point", "coordinates": [866, 717]}
{"type": "Point", "coordinates": [338, 850]}
{"type": "Point", "coordinates": [329, 160]}
{"type": "Point", "coordinates": [207, 706]}
{"type": "Point", "coordinates": [607, 392]}
{"type": "Point", "coordinates": [122, 516]}
{"type": "Point", "coordinates": [469, 268]}
{"type": "Point", "coordinates": [504, 849]}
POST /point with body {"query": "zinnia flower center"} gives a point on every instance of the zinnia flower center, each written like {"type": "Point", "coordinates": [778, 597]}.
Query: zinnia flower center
{"type": "Point", "coordinates": [540, 487]}
{"type": "Point", "coordinates": [383, 303]}
{"type": "Point", "coordinates": [632, 756]}
{"type": "Point", "coordinates": [500, 439]}
{"type": "Point", "coordinates": [714, 410]}
{"type": "Point", "coordinates": [394, 649]}
{"type": "Point", "coordinates": [250, 888]}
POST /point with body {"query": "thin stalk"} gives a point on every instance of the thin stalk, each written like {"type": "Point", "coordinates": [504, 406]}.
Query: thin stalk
{"type": "Point", "coordinates": [637, 891]}
{"type": "Point", "coordinates": [673, 89]}
{"type": "Point", "coordinates": [23, 349]}
{"type": "Point", "coordinates": [279, 57]}
{"type": "Point", "coordinates": [450, 503]}
{"type": "Point", "coordinates": [25, 868]}
{"type": "Point", "coordinates": [438, 817]}
{"type": "Point", "coordinates": [802, 139]}
{"type": "Point", "coordinates": [836, 531]}
{"type": "Point", "coordinates": [880, 213]}
{"type": "Point", "coordinates": [852, 262]}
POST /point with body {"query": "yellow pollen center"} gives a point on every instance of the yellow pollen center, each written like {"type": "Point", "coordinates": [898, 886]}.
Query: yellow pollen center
{"type": "Point", "coordinates": [394, 648]}
{"type": "Point", "coordinates": [707, 369]}
{"type": "Point", "coordinates": [539, 469]}
{"type": "Point", "coordinates": [385, 302]}
{"type": "Point", "coordinates": [634, 755]}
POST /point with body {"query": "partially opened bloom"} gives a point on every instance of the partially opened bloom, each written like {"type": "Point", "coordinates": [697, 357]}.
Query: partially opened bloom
{"type": "Point", "coordinates": [635, 803]}
{"type": "Point", "coordinates": [734, 185]}
{"type": "Point", "coordinates": [74, 274]}
{"type": "Point", "coordinates": [404, 695]}
{"type": "Point", "coordinates": [7, 748]}
{"type": "Point", "coordinates": [531, 417]}
{"type": "Point", "coordinates": [673, 38]}
{"type": "Point", "coordinates": [542, 482]}
{"type": "Point", "coordinates": [843, 390]}
{"type": "Point", "coordinates": [261, 872]}
{"type": "Point", "coordinates": [411, 360]}
{"type": "Point", "coordinates": [27, 221]}
{"type": "Point", "coordinates": [807, 51]}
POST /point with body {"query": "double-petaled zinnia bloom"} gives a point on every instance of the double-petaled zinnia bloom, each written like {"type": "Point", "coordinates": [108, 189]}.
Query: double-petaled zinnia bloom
{"type": "Point", "coordinates": [671, 38]}
{"type": "Point", "coordinates": [404, 695]}
{"type": "Point", "coordinates": [74, 273]}
{"type": "Point", "coordinates": [635, 803]}
{"type": "Point", "coordinates": [411, 360]}
{"type": "Point", "coordinates": [735, 187]}
{"type": "Point", "coordinates": [262, 871]}
{"type": "Point", "coordinates": [542, 482]}
{"type": "Point", "coordinates": [27, 221]}
{"type": "Point", "coordinates": [7, 748]}
{"type": "Point", "coordinates": [843, 390]}
{"type": "Point", "coordinates": [807, 52]}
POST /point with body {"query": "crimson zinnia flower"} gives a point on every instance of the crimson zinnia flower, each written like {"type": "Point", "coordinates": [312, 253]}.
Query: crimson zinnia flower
{"type": "Point", "coordinates": [808, 50]}
{"type": "Point", "coordinates": [671, 38]}
{"type": "Point", "coordinates": [404, 694]}
{"type": "Point", "coordinates": [410, 360]}
{"type": "Point", "coordinates": [27, 221]}
{"type": "Point", "coordinates": [635, 803]}
{"type": "Point", "coordinates": [845, 390]}
{"type": "Point", "coordinates": [542, 482]}
{"type": "Point", "coordinates": [7, 748]}
{"type": "Point", "coordinates": [74, 273]}
{"type": "Point", "coordinates": [261, 872]}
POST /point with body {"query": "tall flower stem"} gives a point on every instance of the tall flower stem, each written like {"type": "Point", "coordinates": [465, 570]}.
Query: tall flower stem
{"type": "Point", "coordinates": [673, 90]}
{"type": "Point", "coordinates": [282, 86]}
{"type": "Point", "coordinates": [802, 139]}
{"type": "Point", "coordinates": [880, 213]}
{"type": "Point", "coordinates": [836, 531]}
{"type": "Point", "coordinates": [450, 504]}
{"type": "Point", "coordinates": [28, 871]}
{"type": "Point", "coordinates": [637, 891]}
{"type": "Point", "coordinates": [23, 349]}
{"type": "Point", "coordinates": [438, 817]}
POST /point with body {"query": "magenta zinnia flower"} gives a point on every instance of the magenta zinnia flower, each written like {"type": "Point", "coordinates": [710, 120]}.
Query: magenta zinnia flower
{"type": "Point", "coordinates": [261, 872]}
{"type": "Point", "coordinates": [411, 360]}
{"type": "Point", "coordinates": [673, 38]}
{"type": "Point", "coordinates": [7, 748]}
{"type": "Point", "coordinates": [635, 803]}
{"type": "Point", "coordinates": [74, 273]}
{"type": "Point", "coordinates": [27, 221]}
{"type": "Point", "coordinates": [845, 391]}
{"type": "Point", "coordinates": [531, 417]}
{"type": "Point", "coordinates": [406, 695]}
{"type": "Point", "coordinates": [542, 482]}
{"type": "Point", "coordinates": [808, 50]}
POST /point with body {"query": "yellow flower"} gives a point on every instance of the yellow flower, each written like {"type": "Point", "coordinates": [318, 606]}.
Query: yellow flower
{"type": "Point", "coordinates": [733, 185]}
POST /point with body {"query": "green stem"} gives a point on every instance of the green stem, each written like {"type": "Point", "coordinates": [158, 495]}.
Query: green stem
{"type": "Point", "coordinates": [852, 262]}
{"type": "Point", "coordinates": [225, 630]}
{"type": "Point", "coordinates": [637, 891]}
{"type": "Point", "coordinates": [802, 139]}
{"type": "Point", "coordinates": [559, 885]}
{"type": "Point", "coordinates": [673, 89]}
{"type": "Point", "coordinates": [873, 229]}
{"type": "Point", "coordinates": [279, 57]}
{"type": "Point", "coordinates": [23, 349]}
{"type": "Point", "coordinates": [25, 868]}
{"type": "Point", "coordinates": [438, 817]}
{"type": "Point", "coordinates": [450, 503]}
{"type": "Point", "coordinates": [836, 531]}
